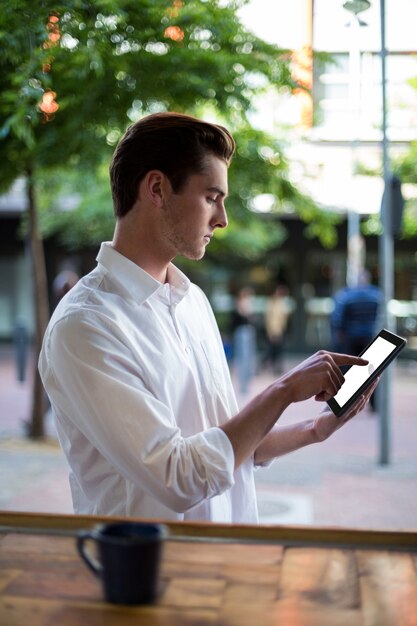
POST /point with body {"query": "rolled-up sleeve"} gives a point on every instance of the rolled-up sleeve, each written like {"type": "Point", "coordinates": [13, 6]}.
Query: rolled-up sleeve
{"type": "Point", "coordinates": [96, 384]}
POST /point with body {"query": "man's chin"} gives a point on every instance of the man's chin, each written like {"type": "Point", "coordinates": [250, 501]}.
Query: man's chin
{"type": "Point", "coordinates": [193, 255]}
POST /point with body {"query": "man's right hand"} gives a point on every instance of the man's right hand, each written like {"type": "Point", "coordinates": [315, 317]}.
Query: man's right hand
{"type": "Point", "coordinates": [319, 376]}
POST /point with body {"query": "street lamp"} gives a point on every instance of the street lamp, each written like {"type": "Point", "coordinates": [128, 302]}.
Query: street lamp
{"type": "Point", "coordinates": [386, 246]}
{"type": "Point", "coordinates": [356, 6]}
{"type": "Point", "coordinates": [386, 261]}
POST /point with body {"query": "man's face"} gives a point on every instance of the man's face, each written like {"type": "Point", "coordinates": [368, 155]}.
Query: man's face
{"type": "Point", "coordinates": [192, 215]}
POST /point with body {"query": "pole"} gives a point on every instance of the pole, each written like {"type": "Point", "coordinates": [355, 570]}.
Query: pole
{"type": "Point", "coordinates": [386, 259]}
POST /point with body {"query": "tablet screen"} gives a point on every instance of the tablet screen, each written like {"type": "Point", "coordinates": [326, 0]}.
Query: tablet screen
{"type": "Point", "coordinates": [376, 353]}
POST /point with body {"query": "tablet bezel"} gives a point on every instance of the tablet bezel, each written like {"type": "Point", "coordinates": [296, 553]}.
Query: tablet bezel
{"type": "Point", "coordinates": [399, 343]}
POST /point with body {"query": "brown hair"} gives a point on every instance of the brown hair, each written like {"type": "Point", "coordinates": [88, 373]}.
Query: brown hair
{"type": "Point", "coordinates": [174, 143]}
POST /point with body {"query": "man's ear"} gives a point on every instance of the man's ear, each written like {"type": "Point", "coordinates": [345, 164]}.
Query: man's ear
{"type": "Point", "coordinates": [153, 187]}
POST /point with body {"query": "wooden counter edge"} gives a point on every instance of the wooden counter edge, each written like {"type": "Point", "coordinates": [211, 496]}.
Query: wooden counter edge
{"type": "Point", "coordinates": [287, 535]}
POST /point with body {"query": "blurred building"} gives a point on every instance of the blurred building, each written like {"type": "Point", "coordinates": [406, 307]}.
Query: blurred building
{"type": "Point", "coordinates": [332, 137]}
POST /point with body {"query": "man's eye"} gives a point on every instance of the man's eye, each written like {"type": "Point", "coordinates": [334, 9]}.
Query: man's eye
{"type": "Point", "coordinates": [211, 200]}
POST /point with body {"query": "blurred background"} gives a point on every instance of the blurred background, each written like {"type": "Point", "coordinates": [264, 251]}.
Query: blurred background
{"type": "Point", "coordinates": [321, 96]}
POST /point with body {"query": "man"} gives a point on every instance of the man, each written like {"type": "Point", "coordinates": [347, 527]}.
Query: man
{"type": "Point", "coordinates": [276, 320]}
{"type": "Point", "coordinates": [354, 319]}
{"type": "Point", "coordinates": [133, 361]}
{"type": "Point", "coordinates": [243, 330]}
{"type": "Point", "coordinates": [355, 314]}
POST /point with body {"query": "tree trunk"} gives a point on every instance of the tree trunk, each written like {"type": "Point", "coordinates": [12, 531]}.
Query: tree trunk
{"type": "Point", "coordinates": [36, 426]}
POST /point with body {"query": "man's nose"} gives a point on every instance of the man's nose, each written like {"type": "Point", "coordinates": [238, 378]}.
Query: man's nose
{"type": "Point", "coordinates": [220, 219]}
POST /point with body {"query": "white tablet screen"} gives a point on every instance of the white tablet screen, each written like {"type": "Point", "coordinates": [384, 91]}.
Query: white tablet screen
{"type": "Point", "coordinates": [357, 374]}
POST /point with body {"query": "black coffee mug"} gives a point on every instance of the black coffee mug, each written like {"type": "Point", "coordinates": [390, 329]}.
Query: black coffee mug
{"type": "Point", "coordinates": [129, 557]}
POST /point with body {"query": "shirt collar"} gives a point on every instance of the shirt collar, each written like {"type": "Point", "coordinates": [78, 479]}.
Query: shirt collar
{"type": "Point", "coordinates": [178, 282]}
{"type": "Point", "coordinates": [134, 280]}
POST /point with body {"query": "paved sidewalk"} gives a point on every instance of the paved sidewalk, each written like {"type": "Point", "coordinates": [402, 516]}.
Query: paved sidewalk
{"type": "Point", "coordinates": [336, 483]}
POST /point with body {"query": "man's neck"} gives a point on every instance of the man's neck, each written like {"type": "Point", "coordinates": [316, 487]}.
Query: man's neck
{"type": "Point", "coordinates": [141, 251]}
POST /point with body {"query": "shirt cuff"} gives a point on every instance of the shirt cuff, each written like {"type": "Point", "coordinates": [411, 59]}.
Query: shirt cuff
{"type": "Point", "coordinates": [217, 456]}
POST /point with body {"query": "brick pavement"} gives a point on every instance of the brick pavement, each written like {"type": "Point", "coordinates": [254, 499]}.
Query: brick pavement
{"type": "Point", "coordinates": [336, 483]}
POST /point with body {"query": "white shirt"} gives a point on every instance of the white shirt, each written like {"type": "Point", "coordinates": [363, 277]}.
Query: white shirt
{"type": "Point", "coordinates": [138, 381]}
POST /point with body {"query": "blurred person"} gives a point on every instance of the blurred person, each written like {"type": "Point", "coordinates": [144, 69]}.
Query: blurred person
{"type": "Point", "coordinates": [276, 320]}
{"type": "Point", "coordinates": [354, 319]}
{"type": "Point", "coordinates": [243, 331]}
{"type": "Point", "coordinates": [133, 362]}
{"type": "Point", "coordinates": [65, 280]}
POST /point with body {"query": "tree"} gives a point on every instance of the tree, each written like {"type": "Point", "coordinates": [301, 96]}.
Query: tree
{"type": "Point", "coordinates": [406, 170]}
{"type": "Point", "coordinates": [73, 77]}
{"type": "Point", "coordinates": [404, 167]}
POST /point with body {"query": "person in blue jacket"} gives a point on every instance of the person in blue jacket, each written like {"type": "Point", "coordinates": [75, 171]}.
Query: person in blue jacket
{"type": "Point", "coordinates": [354, 320]}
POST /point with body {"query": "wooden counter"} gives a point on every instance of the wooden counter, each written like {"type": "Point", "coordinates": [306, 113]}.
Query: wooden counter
{"type": "Point", "coordinates": [214, 574]}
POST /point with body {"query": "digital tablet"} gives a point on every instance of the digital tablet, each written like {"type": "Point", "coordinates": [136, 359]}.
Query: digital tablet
{"type": "Point", "coordinates": [380, 352]}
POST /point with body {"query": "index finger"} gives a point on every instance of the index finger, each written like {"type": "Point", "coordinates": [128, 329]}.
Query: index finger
{"type": "Point", "coordinates": [348, 359]}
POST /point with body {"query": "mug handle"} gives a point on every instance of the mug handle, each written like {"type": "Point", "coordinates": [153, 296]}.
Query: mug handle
{"type": "Point", "coordinates": [94, 565]}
